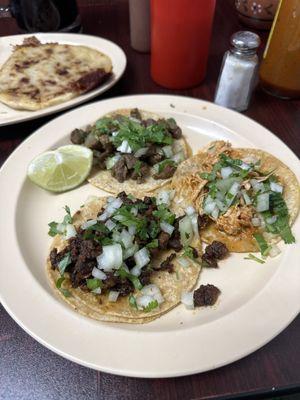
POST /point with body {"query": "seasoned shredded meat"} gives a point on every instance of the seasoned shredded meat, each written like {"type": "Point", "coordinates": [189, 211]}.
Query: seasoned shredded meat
{"type": "Point", "coordinates": [235, 218]}
{"type": "Point", "coordinates": [202, 221]}
{"type": "Point", "coordinates": [206, 295]}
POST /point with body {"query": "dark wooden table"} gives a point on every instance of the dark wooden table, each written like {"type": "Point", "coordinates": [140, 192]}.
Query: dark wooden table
{"type": "Point", "coordinates": [30, 371]}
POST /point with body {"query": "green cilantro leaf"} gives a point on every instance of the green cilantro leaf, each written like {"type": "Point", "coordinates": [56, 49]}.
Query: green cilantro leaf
{"type": "Point", "coordinates": [132, 301]}
{"type": "Point", "coordinates": [188, 252]}
{"type": "Point", "coordinates": [262, 244]}
{"type": "Point", "coordinates": [153, 229]}
{"type": "Point", "coordinates": [132, 278]}
{"type": "Point", "coordinates": [53, 229]}
{"type": "Point", "coordinates": [151, 306]}
{"type": "Point", "coordinates": [137, 167]}
{"type": "Point", "coordinates": [254, 258]}
{"type": "Point", "coordinates": [94, 283]}
{"type": "Point", "coordinates": [64, 262]}
{"type": "Point", "coordinates": [163, 214]}
{"type": "Point", "coordinates": [126, 218]}
{"type": "Point", "coordinates": [162, 165]}
{"type": "Point", "coordinates": [153, 244]}
{"type": "Point", "coordinates": [65, 292]}
{"type": "Point", "coordinates": [68, 218]}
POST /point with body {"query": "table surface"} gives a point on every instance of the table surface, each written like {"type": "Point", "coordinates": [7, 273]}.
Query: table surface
{"type": "Point", "coordinates": [30, 371]}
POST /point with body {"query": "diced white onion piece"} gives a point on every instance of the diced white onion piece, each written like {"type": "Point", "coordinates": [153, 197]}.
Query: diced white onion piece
{"type": "Point", "coordinates": [186, 230]}
{"type": "Point", "coordinates": [275, 187]}
{"type": "Point", "coordinates": [194, 221]}
{"type": "Point", "coordinates": [116, 236]}
{"type": "Point", "coordinates": [154, 291]}
{"type": "Point", "coordinates": [111, 161]}
{"type": "Point", "coordinates": [274, 251]}
{"type": "Point", "coordinates": [111, 257]}
{"type": "Point", "coordinates": [97, 290]}
{"type": "Point", "coordinates": [215, 213]}
{"type": "Point", "coordinates": [163, 197]}
{"type": "Point", "coordinates": [90, 198]}
{"type": "Point", "coordinates": [262, 202]}
{"type": "Point", "coordinates": [110, 225]}
{"type": "Point", "coordinates": [226, 172]}
{"type": "Point", "coordinates": [190, 210]}
{"type": "Point", "coordinates": [225, 184]}
{"type": "Point", "coordinates": [168, 228]}
{"type": "Point", "coordinates": [70, 231]}
{"type": "Point", "coordinates": [135, 120]}
{"type": "Point", "coordinates": [136, 271]}
{"type": "Point", "coordinates": [250, 159]}
{"type": "Point", "coordinates": [168, 151]}
{"type": "Point", "coordinates": [115, 133]}
{"type": "Point", "coordinates": [187, 298]}
{"type": "Point", "coordinates": [124, 147]}
{"type": "Point", "coordinates": [61, 228]}
{"type": "Point", "coordinates": [132, 229]}
{"type": "Point", "coordinates": [245, 166]}
{"type": "Point", "coordinates": [126, 238]}
{"type": "Point", "coordinates": [142, 257]}
{"type": "Point", "coordinates": [178, 157]}
{"type": "Point", "coordinates": [144, 301]}
{"type": "Point", "coordinates": [221, 206]}
{"type": "Point", "coordinates": [234, 189]}
{"type": "Point", "coordinates": [256, 221]}
{"type": "Point", "coordinates": [262, 221]}
{"type": "Point", "coordinates": [129, 252]}
{"type": "Point", "coordinates": [209, 207]}
{"type": "Point", "coordinates": [88, 224]}
{"type": "Point", "coordinates": [271, 220]}
{"type": "Point", "coordinates": [246, 198]}
{"type": "Point", "coordinates": [134, 211]}
{"type": "Point", "coordinates": [98, 274]}
{"type": "Point", "coordinates": [111, 207]}
{"type": "Point", "coordinates": [141, 152]}
{"type": "Point", "coordinates": [257, 186]}
{"type": "Point", "coordinates": [113, 296]}
{"type": "Point", "coordinates": [183, 261]}
{"type": "Point", "coordinates": [110, 199]}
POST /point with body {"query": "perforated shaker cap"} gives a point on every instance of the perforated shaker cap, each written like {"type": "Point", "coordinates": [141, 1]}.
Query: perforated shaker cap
{"type": "Point", "coordinates": [245, 42]}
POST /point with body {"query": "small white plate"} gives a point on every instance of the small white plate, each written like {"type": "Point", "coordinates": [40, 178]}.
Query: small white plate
{"type": "Point", "coordinates": [257, 301]}
{"type": "Point", "coordinates": [10, 116]}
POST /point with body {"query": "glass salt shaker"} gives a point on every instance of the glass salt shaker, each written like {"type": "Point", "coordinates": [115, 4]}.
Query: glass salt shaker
{"type": "Point", "coordinates": [238, 72]}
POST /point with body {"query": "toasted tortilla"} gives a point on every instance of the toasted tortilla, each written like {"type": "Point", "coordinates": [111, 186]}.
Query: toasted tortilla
{"type": "Point", "coordinates": [189, 187]}
{"type": "Point", "coordinates": [104, 180]}
{"type": "Point", "coordinates": [98, 307]}
{"type": "Point", "coordinates": [38, 75]}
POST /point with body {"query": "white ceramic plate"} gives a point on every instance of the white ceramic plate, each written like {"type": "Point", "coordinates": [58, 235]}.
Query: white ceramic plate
{"type": "Point", "coordinates": [10, 116]}
{"type": "Point", "coordinates": [257, 301]}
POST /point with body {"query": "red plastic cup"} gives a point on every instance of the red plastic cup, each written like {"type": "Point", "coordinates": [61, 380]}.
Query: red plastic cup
{"type": "Point", "coordinates": [180, 37]}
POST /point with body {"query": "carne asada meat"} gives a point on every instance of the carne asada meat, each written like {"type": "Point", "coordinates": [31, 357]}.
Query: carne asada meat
{"type": "Point", "coordinates": [206, 295]}
{"type": "Point", "coordinates": [217, 250]}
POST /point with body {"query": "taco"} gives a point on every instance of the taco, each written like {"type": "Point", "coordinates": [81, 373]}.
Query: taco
{"type": "Point", "coordinates": [124, 259]}
{"type": "Point", "coordinates": [247, 198]}
{"type": "Point", "coordinates": [134, 151]}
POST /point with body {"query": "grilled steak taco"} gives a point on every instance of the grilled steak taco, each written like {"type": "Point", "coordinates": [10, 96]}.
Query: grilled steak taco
{"type": "Point", "coordinates": [247, 198]}
{"type": "Point", "coordinates": [124, 259]}
{"type": "Point", "coordinates": [135, 151]}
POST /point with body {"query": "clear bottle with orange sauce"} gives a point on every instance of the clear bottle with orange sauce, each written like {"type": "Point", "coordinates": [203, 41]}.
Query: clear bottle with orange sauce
{"type": "Point", "coordinates": [280, 69]}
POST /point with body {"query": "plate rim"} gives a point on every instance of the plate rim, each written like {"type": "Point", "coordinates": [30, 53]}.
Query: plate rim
{"type": "Point", "coordinates": [135, 373]}
{"type": "Point", "coordinates": [76, 101]}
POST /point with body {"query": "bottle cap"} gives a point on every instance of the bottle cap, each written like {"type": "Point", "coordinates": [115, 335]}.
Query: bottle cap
{"type": "Point", "coordinates": [245, 42]}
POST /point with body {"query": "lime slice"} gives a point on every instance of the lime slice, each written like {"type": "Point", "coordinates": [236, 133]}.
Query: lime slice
{"type": "Point", "coordinates": [62, 169]}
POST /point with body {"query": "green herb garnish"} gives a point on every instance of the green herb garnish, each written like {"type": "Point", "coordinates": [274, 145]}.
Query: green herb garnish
{"type": "Point", "coordinates": [254, 258]}
{"type": "Point", "coordinates": [94, 283]}
{"type": "Point", "coordinates": [162, 165]}
{"type": "Point", "coordinates": [126, 218]}
{"type": "Point", "coordinates": [65, 292]}
{"type": "Point", "coordinates": [153, 244]}
{"type": "Point", "coordinates": [163, 214]}
{"type": "Point", "coordinates": [151, 306]}
{"type": "Point", "coordinates": [64, 262]}
{"type": "Point", "coordinates": [53, 229]}
{"type": "Point", "coordinates": [262, 244]}
{"type": "Point", "coordinates": [137, 167]}
{"type": "Point", "coordinates": [132, 278]}
{"type": "Point", "coordinates": [132, 301]}
{"type": "Point", "coordinates": [188, 252]}
{"type": "Point", "coordinates": [68, 218]}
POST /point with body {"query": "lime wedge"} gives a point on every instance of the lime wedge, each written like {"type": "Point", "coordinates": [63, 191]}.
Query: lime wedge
{"type": "Point", "coordinates": [62, 169]}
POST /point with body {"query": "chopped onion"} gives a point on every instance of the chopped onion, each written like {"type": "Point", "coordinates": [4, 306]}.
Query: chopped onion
{"type": "Point", "coordinates": [141, 152]}
{"type": "Point", "coordinates": [124, 148]}
{"type": "Point", "coordinates": [142, 257]}
{"type": "Point", "coordinates": [234, 189]}
{"type": "Point", "coordinates": [275, 187]}
{"type": "Point", "coordinates": [110, 225]}
{"type": "Point", "coordinates": [271, 220]}
{"type": "Point", "coordinates": [187, 298]}
{"type": "Point", "coordinates": [186, 230]}
{"type": "Point", "coordinates": [132, 229]}
{"type": "Point", "coordinates": [134, 211]}
{"type": "Point", "coordinates": [246, 198]}
{"type": "Point", "coordinates": [61, 228]}
{"type": "Point", "coordinates": [274, 251]}
{"type": "Point", "coordinates": [209, 207]}
{"type": "Point", "coordinates": [256, 221]}
{"type": "Point", "coordinates": [262, 202]}
{"type": "Point", "coordinates": [97, 290]}
{"type": "Point", "coordinates": [153, 290]}
{"type": "Point", "coordinates": [115, 133]}
{"type": "Point", "coordinates": [144, 301]}
{"type": "Point", "coordinates": [250, 159]}
{"type": "Point", "coordinates": [113, 296]}
{"type": "Point", "coordinates": [136, 271]}
{"type": "Point", "coordinates": [116, 236]}
{"type": "Point", "coordinates": [190, 210]}
{"type": "Point", "coordinates": [126, 238]}
{"type": "Point", "coordinates": [257, 186]}
{"type": "Point", "coordinates": [88, 223]}
{"type": "Point", "coordinates": [163, 197]}
{"type": "Point", "coordinates": [70, 231]}
{"type": "Point", "coordinates": [225, 184]}
{"type": "Point", "coordinates": [111, 161]}
{"type": "Point", "coordinates": [178, 157]}
{"type": "Point", "coordinates": [129, 252]}
{"type": "Point", "coordinates": [215, 213]}
{"type": "Point", "coordinates": [221, 206]}
{"type": "Point", "coordinates": [111, 257]}
{"type": "Point", "coordinates": [183, 261]}
{"type": "Point", "coordinates": [245, 166]}
{"type": "Point", "coordinates": [98, 274]}
{"type": "Point", "coordinates": [111, 207]}
{"type": "Point", "coordinates": [226, 172]}
{"type": "Point", "coordinates": [168, 151]}
{"type": "Point", "coordinates": [168, 228]}
{"type": "Point", "coordinates": [110, 199]}
{"type": "Point", "coordinates": [194, 221]}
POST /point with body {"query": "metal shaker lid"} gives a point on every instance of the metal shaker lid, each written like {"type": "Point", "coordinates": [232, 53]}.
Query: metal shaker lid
{"type": "Point", "coordinates": [245, 41]}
